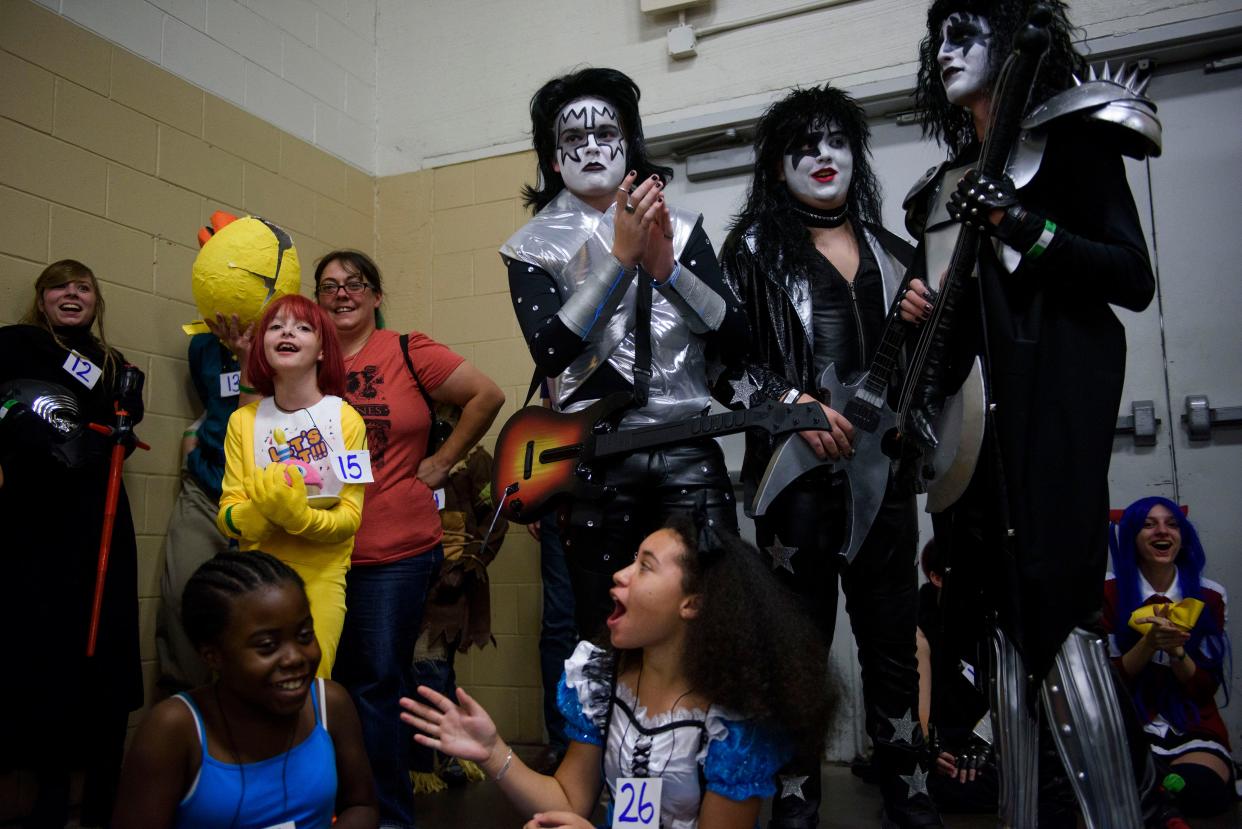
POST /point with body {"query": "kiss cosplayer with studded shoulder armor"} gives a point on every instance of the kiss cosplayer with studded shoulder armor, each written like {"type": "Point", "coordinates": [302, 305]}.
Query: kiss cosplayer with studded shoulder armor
{"type": "Point", "coordinates": [1028, 538]}
{"type": "Point", "coordinates": [817, 275]}
{"type": "Point", "coordinates": [601, 242]}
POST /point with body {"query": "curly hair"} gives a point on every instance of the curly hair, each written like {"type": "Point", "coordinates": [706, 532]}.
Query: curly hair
{"type": "Point", "coordinates": [616, 88]}
{"type": "Point", "coordinates": [1208, 642]}
{"type": "Point", "coordinates": [750, 648]}
{"type": "Point", "coordinates": [781, 234]}
{"type": "Point", "coordinates": [953, 125]}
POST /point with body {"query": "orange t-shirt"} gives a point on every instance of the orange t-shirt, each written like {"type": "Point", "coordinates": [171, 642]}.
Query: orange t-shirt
{"type": "Point", "coordinates": [399, 517]}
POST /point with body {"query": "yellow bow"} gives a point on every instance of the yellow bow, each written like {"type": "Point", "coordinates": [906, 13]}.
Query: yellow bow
{"type": "Point", "coordinates": [1184, 614]}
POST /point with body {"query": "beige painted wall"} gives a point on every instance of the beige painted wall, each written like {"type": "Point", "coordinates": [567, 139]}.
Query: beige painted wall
{"type": "Point", "coordinates": [109, 159]}
{"type": "Point", "coordinates": [455, 76]}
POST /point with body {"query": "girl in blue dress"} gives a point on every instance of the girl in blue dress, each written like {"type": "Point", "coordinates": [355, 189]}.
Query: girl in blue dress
{"type": "Point", "coordinates": [709, 684]}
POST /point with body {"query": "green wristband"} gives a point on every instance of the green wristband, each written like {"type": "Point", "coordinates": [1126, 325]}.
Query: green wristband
{"type": "Point", "coordinates": [228, 519]}
{"type": "Point", "coordinates": [1044, 240]}
{"type": "Point", "coordinates": [246, 389]}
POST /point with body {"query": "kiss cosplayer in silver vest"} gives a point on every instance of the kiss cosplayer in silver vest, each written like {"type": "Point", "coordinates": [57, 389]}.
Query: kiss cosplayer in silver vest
{"type": "Point", "coordinates": [573, 242]}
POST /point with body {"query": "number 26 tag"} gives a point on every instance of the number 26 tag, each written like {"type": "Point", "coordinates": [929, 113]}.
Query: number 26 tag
{"type": "Point", "coordinates": [352, 467]}
{"type": "Point", "coordinates": [82, 369]}
{"type": "Point", "coordinates": [637, 802]}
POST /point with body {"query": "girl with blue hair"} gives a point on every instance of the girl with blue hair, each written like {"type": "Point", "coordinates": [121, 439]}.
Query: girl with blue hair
{"type": "Point", "coordinates": [1167, 635]}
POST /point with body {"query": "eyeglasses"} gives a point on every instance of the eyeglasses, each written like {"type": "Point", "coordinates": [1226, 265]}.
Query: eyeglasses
{"type": "Point", "coordinates": [352, 287]}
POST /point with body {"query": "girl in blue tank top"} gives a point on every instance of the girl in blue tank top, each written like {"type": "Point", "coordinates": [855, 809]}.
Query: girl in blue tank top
{"type": "Point", "coordinates": [266, 745]}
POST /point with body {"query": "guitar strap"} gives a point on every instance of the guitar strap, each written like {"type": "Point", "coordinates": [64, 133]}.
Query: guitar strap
{"type": "Point", "coordinates": [642, 345]}
{"type": "Point", "coordinates": [642, 339]}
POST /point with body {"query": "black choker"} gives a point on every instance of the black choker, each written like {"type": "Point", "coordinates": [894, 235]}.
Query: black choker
{"type": "Point", "coordinates": [822, 218]}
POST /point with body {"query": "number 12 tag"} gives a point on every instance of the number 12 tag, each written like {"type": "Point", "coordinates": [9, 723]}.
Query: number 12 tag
{"type": "Point", "coordinates": [82, 369]}
{"type": "Point", "coordinates": [352, 467]}
{"type": "Point", "coordinates": [637, 802]}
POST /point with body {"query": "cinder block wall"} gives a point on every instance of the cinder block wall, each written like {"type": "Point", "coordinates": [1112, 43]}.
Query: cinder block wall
{"type": "Point", "coordinates": [437, 234]}
{"type": "Point", "coordinates": [107, 158]}
{"type": "Point", "coordinates": [112, 160]}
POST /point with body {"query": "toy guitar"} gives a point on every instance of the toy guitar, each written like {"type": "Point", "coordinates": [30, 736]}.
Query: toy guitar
{"type": "Point", "coordinates": [923, 399]}
{"type": "Point", "coordinates": [542, 455]}
{"type": "Point", "coordinates": [864, 404]}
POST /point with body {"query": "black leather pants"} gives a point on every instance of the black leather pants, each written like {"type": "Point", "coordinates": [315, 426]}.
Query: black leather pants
{"type": "Point", "coordinates": [881, 595]}
{"type": "Point", "coordinates": [644, 489]}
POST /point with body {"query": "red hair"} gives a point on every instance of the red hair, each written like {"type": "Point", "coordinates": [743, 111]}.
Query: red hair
{"type": "Point", "coordinates": [330, 372]}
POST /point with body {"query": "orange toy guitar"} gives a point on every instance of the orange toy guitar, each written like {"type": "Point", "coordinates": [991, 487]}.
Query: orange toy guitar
{"type": "Point", "coordinates": [542, 455]}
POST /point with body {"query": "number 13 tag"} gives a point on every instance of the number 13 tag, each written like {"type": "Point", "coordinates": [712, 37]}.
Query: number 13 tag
{"type": "Point", "coordinates": [637, 802]}
{"type": "Point", "coordinates": [352, 467]}
{"type": "Point", "coordinates": [82, 369]}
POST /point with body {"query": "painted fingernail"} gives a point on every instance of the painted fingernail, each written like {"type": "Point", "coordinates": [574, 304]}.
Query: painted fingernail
{"type": "Point", "coordinates": [633, 172]}
{"type": "Point", "coordinates": [927, 295]}
{"type": "Point", "coordinates": [654, 177]}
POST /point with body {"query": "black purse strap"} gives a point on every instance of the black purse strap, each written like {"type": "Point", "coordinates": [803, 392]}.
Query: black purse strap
{"type": "Point", "coordinates": [404, 342]}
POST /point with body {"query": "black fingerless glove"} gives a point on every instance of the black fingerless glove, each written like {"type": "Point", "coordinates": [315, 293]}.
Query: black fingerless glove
{"type": "Point", "coordinates": [978, 195]}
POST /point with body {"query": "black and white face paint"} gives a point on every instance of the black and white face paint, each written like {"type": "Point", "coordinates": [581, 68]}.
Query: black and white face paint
{"type": "Point", "coordinates": [590, 147]}
{"type": "Point", "coordinates": [819, 166]}
{"type": "Point", "coordinates": [965, 57]}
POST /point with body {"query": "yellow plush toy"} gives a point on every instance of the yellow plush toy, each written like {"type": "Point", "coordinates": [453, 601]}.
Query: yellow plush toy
{"type": "Point", "coordinates": [1184, 614]}
{"type": "Point", "coordinates": [243, 265]}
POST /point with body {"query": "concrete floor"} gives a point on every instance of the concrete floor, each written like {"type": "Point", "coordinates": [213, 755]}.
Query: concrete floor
{"type": "Point", "coordinates": [849, 804]}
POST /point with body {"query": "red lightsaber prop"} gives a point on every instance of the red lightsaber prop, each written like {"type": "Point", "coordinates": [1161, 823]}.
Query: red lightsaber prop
{"type": "Point", "coordinates": [122, 434]}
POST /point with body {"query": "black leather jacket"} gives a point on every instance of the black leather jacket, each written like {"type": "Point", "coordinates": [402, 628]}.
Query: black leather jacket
{"type": "Point", "coordinates": [780, 353]}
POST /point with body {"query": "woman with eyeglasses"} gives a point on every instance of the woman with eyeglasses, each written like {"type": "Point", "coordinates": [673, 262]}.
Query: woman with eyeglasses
{"type": "Point", "coordinates": [397, 553]}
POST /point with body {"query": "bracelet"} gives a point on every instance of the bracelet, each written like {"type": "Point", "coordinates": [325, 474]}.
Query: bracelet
{"type": "Point", "coordinates": [228, 519]}
{"type": "Point", "coordinates": [791, 396]}
{"type": "Point", "coordinates": [505, 768]}
{"type": "Point", "coordinates": [1044, 240]}
{"type": "Point", "coordinates": [246, 389]}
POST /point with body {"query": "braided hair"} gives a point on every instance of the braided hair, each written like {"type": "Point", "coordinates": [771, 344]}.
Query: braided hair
{"type": "Point", "coordinates": [616, 88]}
{"type": "Point", "coordinates": [206, 609]}
{"type": "Point", "coordinates": [750, 648]}
{"type": "Point", "coordinates": [953, 125]}
{"type": "Point", "coordinates": [207, 601]}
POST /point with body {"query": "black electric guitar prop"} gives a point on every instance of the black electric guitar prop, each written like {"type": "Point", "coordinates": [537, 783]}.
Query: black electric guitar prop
{"type": "Point", "coordinates": [542, 455]}
{"type": "Point", "coordinates": [960, 421]}
{"type": "Point", "coordinates": [864, 403]}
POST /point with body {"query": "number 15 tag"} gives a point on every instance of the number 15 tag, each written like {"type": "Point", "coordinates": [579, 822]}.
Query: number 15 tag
{"type": "Point", "coordinates": [352, 467]}
{"type": "Point", "coordinates": [637, 802]}
{"type": "Point", "coordinates": [82, 369]}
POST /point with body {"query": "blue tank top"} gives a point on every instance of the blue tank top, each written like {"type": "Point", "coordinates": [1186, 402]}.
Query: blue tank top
{"type": "Point", "coordinates": [305, 798]}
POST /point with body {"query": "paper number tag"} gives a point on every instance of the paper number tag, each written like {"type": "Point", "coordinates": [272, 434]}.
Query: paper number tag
{"type": "Point", "coordinates": [637, 802]}
{"type": "Point", "coordinates": [230, 383]}
{"type": "Point", "coordinates": [82, 369]}
{"type": "Point", "coordinates": [352, 467]}
{"type": "Point", "coordinates": [438, 497]}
